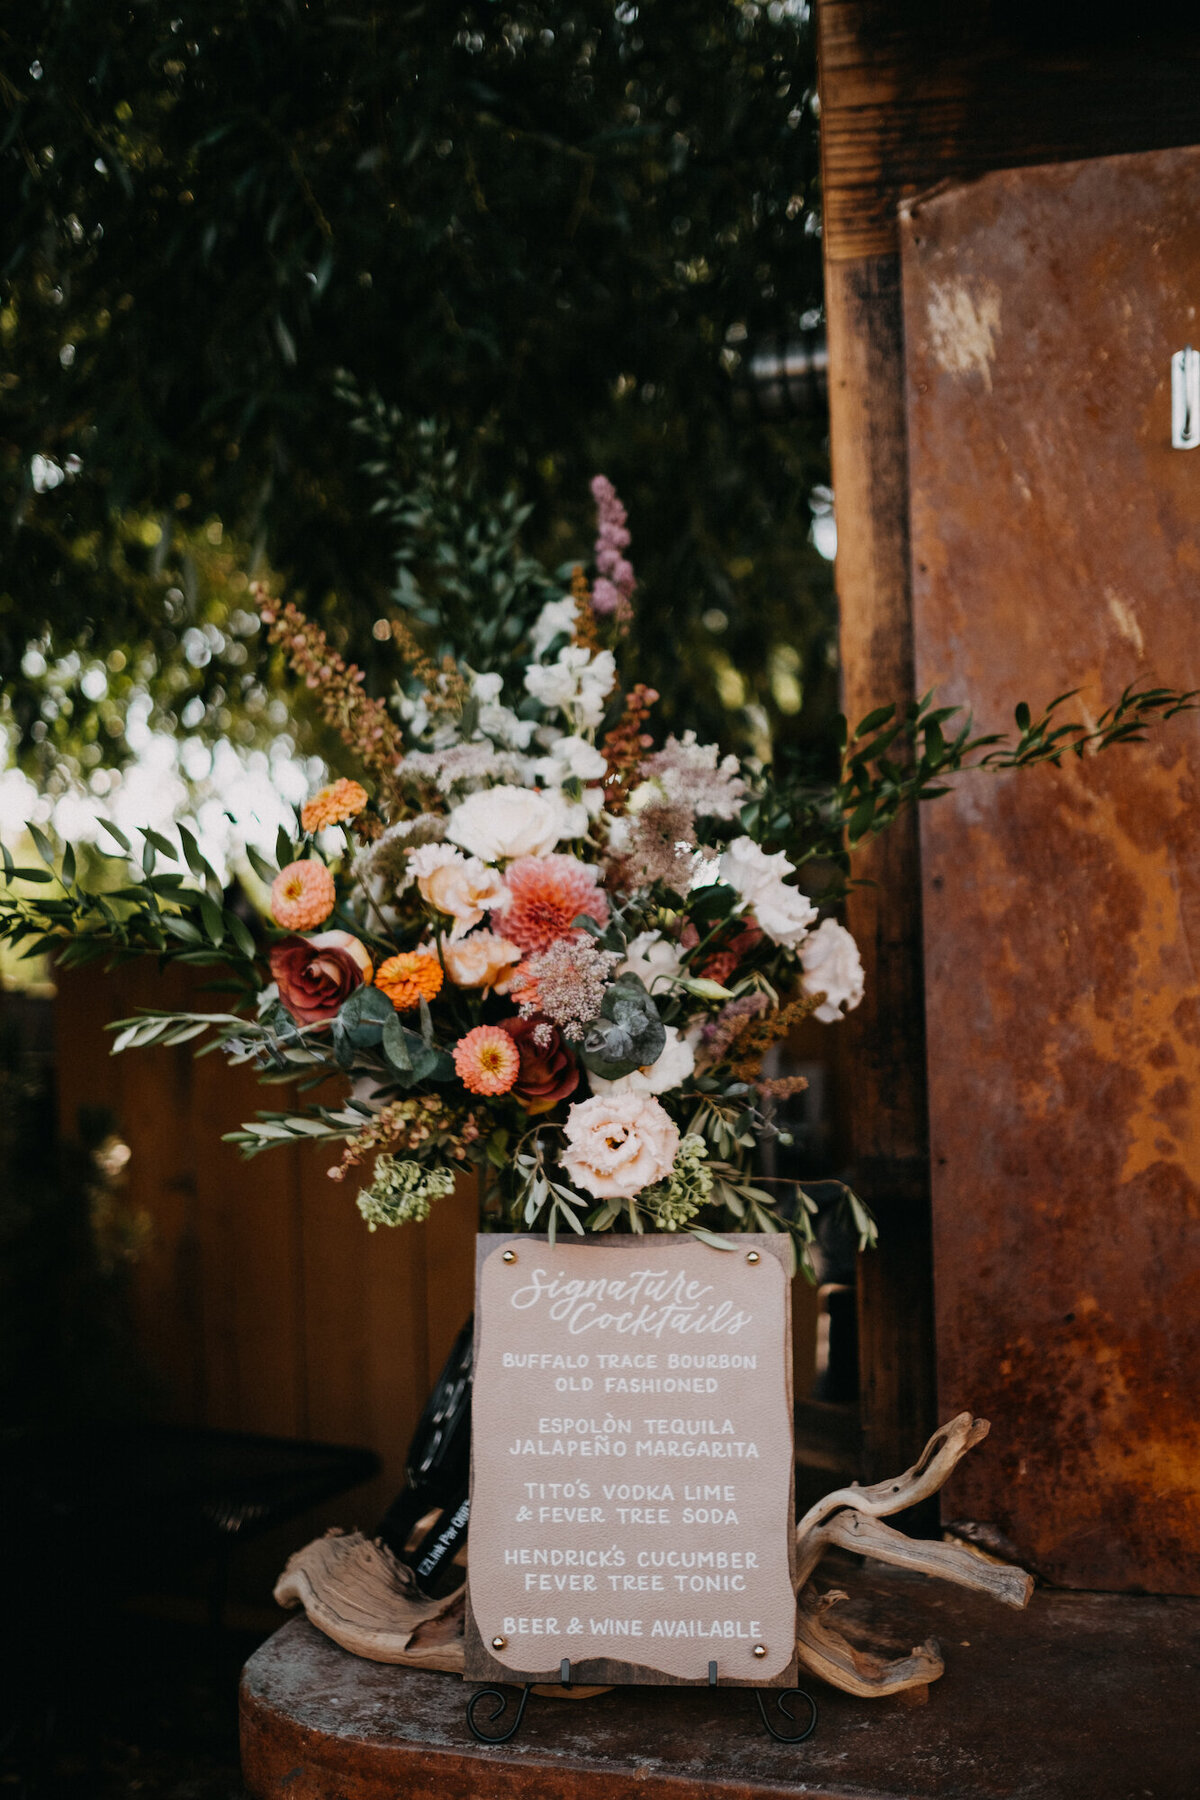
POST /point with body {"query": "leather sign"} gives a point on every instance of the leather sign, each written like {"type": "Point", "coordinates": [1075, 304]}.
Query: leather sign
{"type": "Point", "coordinates": [632, 1469]}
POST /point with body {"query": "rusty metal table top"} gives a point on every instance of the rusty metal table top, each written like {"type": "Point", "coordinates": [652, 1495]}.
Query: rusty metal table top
{"type": "Point", "coordinates": [1083, 1697]}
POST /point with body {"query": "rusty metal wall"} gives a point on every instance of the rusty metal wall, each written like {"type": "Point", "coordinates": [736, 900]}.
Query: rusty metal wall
{"type": "Point", "coordinates": [1056, 544]}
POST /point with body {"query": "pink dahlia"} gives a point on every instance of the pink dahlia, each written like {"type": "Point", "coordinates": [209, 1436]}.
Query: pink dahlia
{"type": "Point", "coordinates": [548, 894]}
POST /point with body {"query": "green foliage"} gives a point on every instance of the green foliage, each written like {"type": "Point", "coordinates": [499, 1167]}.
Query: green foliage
{"type": "Point", "coordinates": [560, 230]}
{"type": "Point", "coordinates": [897, 758]}
{"type": "Point", "coordinates": [159, 914]}
{"type": "Point", "coordinates": [627, 1035]}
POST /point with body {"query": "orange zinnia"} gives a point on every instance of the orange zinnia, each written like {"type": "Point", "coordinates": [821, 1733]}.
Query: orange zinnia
{"type": "Point", "coordinates": [302, 895]}
{"type": "Point", "coordinates": [334, 804]}
{"type": "Point", "coordinates": [408, 979]}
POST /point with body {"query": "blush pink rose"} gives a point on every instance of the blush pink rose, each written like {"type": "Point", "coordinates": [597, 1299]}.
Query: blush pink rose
{"type": "Point", "coordinates": [482, 960]}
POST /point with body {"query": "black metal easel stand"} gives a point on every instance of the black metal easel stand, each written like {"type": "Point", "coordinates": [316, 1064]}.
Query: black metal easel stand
{"type": "Point", "coordinates": [782, 1697]}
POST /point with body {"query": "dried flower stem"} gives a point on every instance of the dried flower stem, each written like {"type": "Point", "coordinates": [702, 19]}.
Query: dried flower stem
{"type": "Point", "coordinates": [625, 746]}
{"type": "Point", "coordinates": [757, 1036]}
{"type": "Point", "coordinates": [363, 724]}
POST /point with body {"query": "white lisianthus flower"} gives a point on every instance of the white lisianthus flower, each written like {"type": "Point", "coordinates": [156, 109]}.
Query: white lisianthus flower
{"type": "Point", "coordinates": [555, 617]}
{"type": "Point", "coordinates": [576, 683]}
{"type": "Point", "coordinates": [675, 1064]}
{"type": "Point", "coordinates": [487, 689]}
{"type": "Point", "coordinates": [783, 912]}
{"type": "Point", "coordinates": [502, 822]}
{"type": "Point", "coordinates": [571, 758]}
{"type": "Point", "coordinates": [618, 1144]}
{"type": "Point", "coordinates": [650, 955]}
{"type": "Point", "coordinates": [833, 967]}
{"type": "Point", "coordinates": [554, 684]}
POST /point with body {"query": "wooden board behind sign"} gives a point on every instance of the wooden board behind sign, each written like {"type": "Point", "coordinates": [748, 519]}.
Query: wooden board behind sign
{"type": "Point", "coordinates": [632, 1470]}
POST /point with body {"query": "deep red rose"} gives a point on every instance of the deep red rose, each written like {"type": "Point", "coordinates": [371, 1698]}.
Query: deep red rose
{"type": "Point", "coordinates": [317, 974]}
{"type": "Point", "coordinates": [548, 1070]}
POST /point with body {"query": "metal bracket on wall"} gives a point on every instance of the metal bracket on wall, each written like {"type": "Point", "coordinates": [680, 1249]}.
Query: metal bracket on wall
{"type": "Point", "coordinates": [1185, 399]}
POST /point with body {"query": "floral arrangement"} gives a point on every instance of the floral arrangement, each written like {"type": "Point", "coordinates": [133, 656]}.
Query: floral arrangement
{"type": "Point", "coordinates": [530, 941]}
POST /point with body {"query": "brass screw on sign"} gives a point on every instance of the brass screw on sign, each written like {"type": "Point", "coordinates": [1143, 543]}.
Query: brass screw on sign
{"type": "Point", "coordinates": [499, 1643]}
{"type": "Point", "coordinates": [752, 1256]}
{"type": "Point", "coordinates": [509, 1256]}
{"type": "Point", "coordinates": [760, 1649]}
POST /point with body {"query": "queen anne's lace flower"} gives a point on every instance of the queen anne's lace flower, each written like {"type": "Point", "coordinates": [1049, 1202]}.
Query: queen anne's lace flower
{"type": "Point", "coordinates": [567, 983]}
{"type": "Point", "coordinates": [690, 774]}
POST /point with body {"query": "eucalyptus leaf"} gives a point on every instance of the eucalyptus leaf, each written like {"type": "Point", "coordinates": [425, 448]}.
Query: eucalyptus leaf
{"type": "Point", "coordinates": [628, 1035]}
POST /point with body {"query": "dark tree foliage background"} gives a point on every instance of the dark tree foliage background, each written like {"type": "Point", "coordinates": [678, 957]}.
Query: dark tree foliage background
{"type": "Point", "coordinates": [558, 230]}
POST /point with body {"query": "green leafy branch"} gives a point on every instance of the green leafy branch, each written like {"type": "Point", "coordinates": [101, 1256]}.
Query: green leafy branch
{"type": "Point", "coordinates": [898, 758]}
{"type": "Point", "coordinates": [321, 1124]}
{"type": "Point", "coordinates": [159, 914]}
{"type": "Point", "coordinates": [458, 563]}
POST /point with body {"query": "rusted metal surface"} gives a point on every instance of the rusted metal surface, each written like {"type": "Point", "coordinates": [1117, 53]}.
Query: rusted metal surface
{"type": "Point", "coordinates": [1056, 544]}
{"type": "Point", "coordinates": [1082, 1697]}
{"type": "Point", "coordinates": [913, 92]}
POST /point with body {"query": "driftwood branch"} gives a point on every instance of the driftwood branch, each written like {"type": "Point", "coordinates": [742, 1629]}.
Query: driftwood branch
{"type": "Point", "coordinates": [365, 1599]}
{"type": "Point", "coordinates": [850, 1518]}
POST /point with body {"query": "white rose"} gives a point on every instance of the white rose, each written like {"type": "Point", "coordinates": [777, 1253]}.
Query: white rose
{"type": "Point", "coordinates": [833, 967]}
{"type": "Point", "coordinates": [501, 822]}
{"type": "Point", "coordinates": [672, 1069]}
{"type": "Point", "coordinates": [619, 1144]}
{"type": "Point", "coordinates": [783, 912]}
{"type": "Point", "coordinates": [650, 955]}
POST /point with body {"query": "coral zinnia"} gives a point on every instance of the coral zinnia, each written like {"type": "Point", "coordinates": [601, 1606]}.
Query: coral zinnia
{"type": "Point", "coordinates": [302, 895]}
{"type": "Point", "coordinates": [548, 894]}
{"type": "Point", "coordinates": [333, 804]}
{"type": "Point", "coordinates": [408, 979]}
{"type": "Point", "coordinates": [487, 1060]}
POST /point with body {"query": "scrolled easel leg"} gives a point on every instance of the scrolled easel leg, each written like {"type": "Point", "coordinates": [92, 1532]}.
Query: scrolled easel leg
{"type": "Point", "coordinates": [782, 1696]}
{"type": "Point", "coordinates": [501, 1698]}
